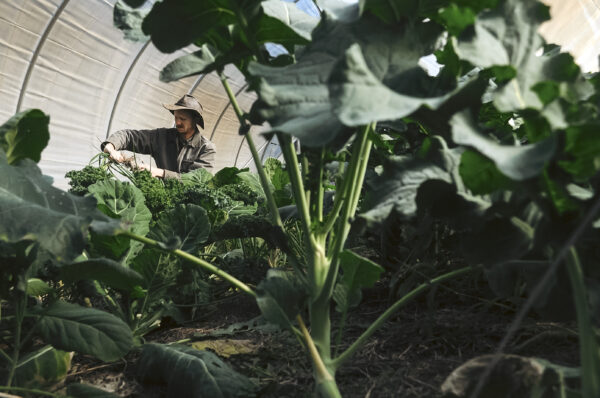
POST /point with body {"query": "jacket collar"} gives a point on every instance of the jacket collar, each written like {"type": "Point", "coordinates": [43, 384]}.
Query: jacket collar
{"type": "Point", "coordinates": [195, 141]}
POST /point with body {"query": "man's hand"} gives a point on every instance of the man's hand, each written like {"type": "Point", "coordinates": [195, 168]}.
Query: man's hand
{"type": "Point", "coordinates": [115, 155]}
{"type": "Point", "coordinates": [154, 172]}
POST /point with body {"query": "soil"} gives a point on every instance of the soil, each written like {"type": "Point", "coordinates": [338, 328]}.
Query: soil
{"type": "Point", "coordinates": [410, 356]}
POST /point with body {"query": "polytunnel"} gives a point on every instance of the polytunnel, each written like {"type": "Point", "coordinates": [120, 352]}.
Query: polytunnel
{"type": "Point", "coordinates": [66, 58]}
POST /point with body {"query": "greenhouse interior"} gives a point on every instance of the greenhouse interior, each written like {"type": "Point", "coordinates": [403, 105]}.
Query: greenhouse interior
{"type": "Point", "coordinates": [404, 198]}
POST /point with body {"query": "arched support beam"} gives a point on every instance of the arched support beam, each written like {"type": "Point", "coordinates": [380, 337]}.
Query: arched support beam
{"type": "Point", "coordinates": [122, 86]}
{"type": "Point", "coordinates": [224, 110]}
{"type": "Point", "coordinates": [38, 49]}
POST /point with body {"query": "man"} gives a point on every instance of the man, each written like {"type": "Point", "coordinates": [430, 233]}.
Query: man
{"type": "Point", "coordinates": [175, 150]}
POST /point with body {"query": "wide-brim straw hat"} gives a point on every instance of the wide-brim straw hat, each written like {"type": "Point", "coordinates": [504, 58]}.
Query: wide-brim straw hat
{"type": "Point", "coordinates": [187, 102]}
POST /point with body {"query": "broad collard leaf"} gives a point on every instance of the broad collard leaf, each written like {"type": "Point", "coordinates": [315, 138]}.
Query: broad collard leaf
{"type": "Point", "coordinates": [284, 23]}
{"type": "Point", "coordinates": [352, 87]}
{"type": "Point", "coordinates": [201, 61]}
{"type": "Point", "coordinates": [341, 10]}
{"type": "Point", "coordinates": [480, 174]}
{"type": "Point", "coordinates": [508, 35]}
{"type": "Point", "coordinates": [582, 148]}
{"type": "Point", "coordinates": [104, 270]}
{"type": "Point", "coordinates": [126, 202]}
{"type": "Point", "coordinates": [281, 296]}
{"type": "Point", "coordinates": [37, 287]}
{"type": "Point", "coordinates": [188, 224]}
{"type": "Point", "coordinates": [71, 327]}
{"type": "Point", "coordinates": [129, 21]}
{"type": "Point", "coordinates": [32, 209]}
{"type": "Point", "coordinates": [174, 24]}
{"type": "Point", "coordinates": [295, 99]}
{"type": "Point", "coordinates": [42, 368]}
{"type": "Point", "coordinates": [191, 373]}
{"type": "Point", "coordinates": [198, 176]}
{"type": "Point", "coordinates": [397, 187]}
{"type": "Point", "coordinates": [25, 135]}
{"type": "Point", "coordinates": [358, 273]}
{"type": "Point", "coordinates": [517, 162]}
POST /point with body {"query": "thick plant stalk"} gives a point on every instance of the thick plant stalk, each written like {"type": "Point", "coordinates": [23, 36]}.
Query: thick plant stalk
{"type": "Point", "coordinates": [29, 390]}
{"type": "Point", "coordinates": [588, 345]}
{"type": "Point", "coordinates": [323, 374]}
{"type": "Point", "coordinates": [259, 167]}
{"type": "Point", "coordinates": [19, 315]}
{"type": "Point", "coordinates": [358, 165]}
{"type": "Point", "coordinates": [337, 362]}
{"type": "Point", "coordinates": [196, 261]}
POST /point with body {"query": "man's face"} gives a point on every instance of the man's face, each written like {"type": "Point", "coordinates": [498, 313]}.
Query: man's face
{"type": "Point", "coordinates": [184, 122]}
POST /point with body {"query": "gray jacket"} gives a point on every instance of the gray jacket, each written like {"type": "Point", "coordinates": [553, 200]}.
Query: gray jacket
{"type": "Point", "coordinates": [170, 151]}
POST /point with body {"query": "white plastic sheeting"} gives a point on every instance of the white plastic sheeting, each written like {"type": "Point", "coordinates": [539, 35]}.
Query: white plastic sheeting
{"type": "Point", "coordinates": [66, 58]}
{"type": "Point", "coordinates": [575, 25]}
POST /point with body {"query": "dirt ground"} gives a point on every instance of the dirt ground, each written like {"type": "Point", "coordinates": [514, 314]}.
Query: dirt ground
{"type": "Point", "coordinates": [410, 356]}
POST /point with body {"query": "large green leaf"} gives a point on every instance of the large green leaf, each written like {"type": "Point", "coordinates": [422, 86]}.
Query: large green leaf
{"type": "Point", "coordinates": [396, 188]}
{"type": "Point", "coordinates": [508, 35]}
{"type": "Point", "coordinates": [25, 135]}
{"type": "Point", "coordinates": [129, 21]}
{"type": "Point", "coordinates": [174, 24]}
{"type": "Point", "coordinates": [353, 85]}
{"type": "Point", "coordinates": [201, 61]}
{"type": "Point", "coordinates": [516, 162]}
{"type": "Point", "coordinates": [583, 150]}
{"type": "Point", "coordinates": [280, 297]}
{"type": "Point", "coordinates": [295, 99]}
{"type": "Point", "coordinates": [284, 23]}
{"type": "Point", "coordinates": [126, 202]}
{"type": "Point", "coordinates": [480, 174]}
{"type": "Point", "coordinates": [198, 176]}
{"type": "Point", "coordinates": [190, 373]}
{"type": "Point", "coordinates": [339, 9]}
{"type": "Point", "coordinates": [89, 331]}
{"type": "Point", "coordinates": [187, 224]}
{"type": "Point", "coordinates": [103, 270]}
{"type": "Point", "coordinates": [42, 368]}
{"type": "Point", "coordinates": [358, 272]}
{"type": "Point", "coordinates": [32, 209]}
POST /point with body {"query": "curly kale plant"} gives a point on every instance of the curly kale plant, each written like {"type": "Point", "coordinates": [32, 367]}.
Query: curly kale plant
{"type": "Point", "coordinates": [80, 180]}
{"type": "Point", "coordinates": [160, 195]}
{"type": "Point", "coordinates": [242, 192]}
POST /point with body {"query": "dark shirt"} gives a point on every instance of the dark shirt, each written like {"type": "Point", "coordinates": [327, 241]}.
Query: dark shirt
{"type": "Point", "coordinates": [169, 149]}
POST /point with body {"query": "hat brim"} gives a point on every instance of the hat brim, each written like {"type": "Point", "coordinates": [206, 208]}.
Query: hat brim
{"type": "Point", "coordinates": [173, 108]}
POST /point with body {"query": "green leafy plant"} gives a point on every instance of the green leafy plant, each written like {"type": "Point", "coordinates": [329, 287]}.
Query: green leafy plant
{"type": "Point", "coordinates": [36, 323]}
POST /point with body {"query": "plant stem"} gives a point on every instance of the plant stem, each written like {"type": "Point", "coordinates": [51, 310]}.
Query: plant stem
{"type": "Point", "coordinates": [320, 189]}
{"type": "Point", "coordinates": [588, 346]}
{"type": "Point", "coordinates": [293, 168]}
{"type": "Point", "coordinates": [194, 260]}
{"type": "Point", "coordinates": [358, 164]}
{"type": "Point", "coordinates": [29, 390]}
{"type": "Point", "coordinates": [314, 353]}
{"type": "Point", "coordinates": [19, 315]}
{"type": "Point", "coordinates": [395, 307]}
{"type": "Point", "coordinates": [264, 181]}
